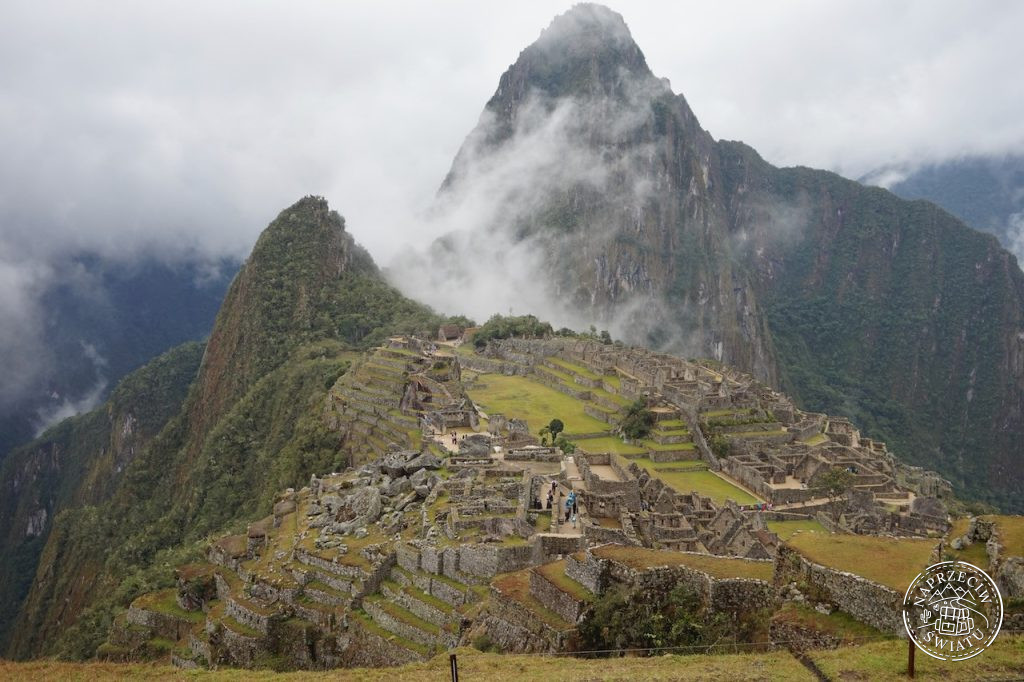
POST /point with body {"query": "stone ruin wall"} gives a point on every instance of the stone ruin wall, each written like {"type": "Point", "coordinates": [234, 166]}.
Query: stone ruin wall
{"type": "Point", "coordinates": [867, 601]}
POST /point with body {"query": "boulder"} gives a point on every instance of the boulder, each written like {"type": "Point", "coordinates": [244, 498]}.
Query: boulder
{"type": "Point", "coordinates": [1010, 577]}
{"type": "Point", "coordinates": [930, 506]}
{"type": "Point", "coordinates": [980, 530]}
{"type": "Point", "coordinates": [398, 486]}
{"type": "Point", "coordinates": [424, 461]}
{"type": "Point", "coordinates": [418, 478]}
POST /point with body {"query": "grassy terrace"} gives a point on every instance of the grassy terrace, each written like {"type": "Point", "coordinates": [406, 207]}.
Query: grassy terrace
{"type": "Point", "coordinates": [671, 424]}
{"type": "Point", "coordinates": [667, 447]}
{"type": "Point", "coordinates": [816, 439]}
{"type": "Point", "coordinates": [575, 369]}
{"type": "Point", "coordinates": [371, 626]}
{"type": "Point", "coordinates": [838, 624]}
{"type": "Point", "coordinates": [555, 573]}
{"type": "Point", "coordinates": [719, 567]}
{"type": "Point", "coordinates": [888, 561]}
{"type": "Point", "coordinates": [703, 482]}
{"type": "Point", "coordinates": [787, 529]}
{"type": "Point", "coordinates": [517, 586]}
{"type": "Point", "coordinates": [400, 614]}
{"type": "Point", "coordinates": [536, 403]}
{"type": "Point", "coordinates": [163, 601]}
{"type": "Point", "coordinates": [1011, 533]}
{"type": "Point", "coordinates": [975, 554]}
{"type": "Point", "coordinates": [756, 434]}
{"type": "Point", "coordinates": [610, 444]}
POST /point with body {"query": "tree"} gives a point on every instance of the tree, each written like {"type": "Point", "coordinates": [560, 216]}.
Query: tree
{"type": "Point", "coordinates": [638, 421]}
{"type": "Point", "coordinates": [556, 427]}
{"type": "Point", "coordinates": [837, 484]}
{"type": "Point", "coordinates": [565, 445]}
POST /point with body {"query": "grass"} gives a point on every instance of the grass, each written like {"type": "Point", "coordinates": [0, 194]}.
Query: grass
{"type": "Point", "coordinates": [473, 665]}
{"type": "Point", "coordinates": [786, 529]}
{"type": "Point", "coordinates": [816, 439]}
{"type": "Point", "coordinates": [703, 482]}
{"type": "Point", "coordinates": [516, 396]}
{"type": "Point", "coordinates": [609, 444]}
{"type": "Point", "coordinates": [674, 431]}
{"type": "Point", "coordinates": [756, 434]}
{"type": "Point", "coordinates": [837, 624]}
{"type": "Point", "coordinates": [555, 573]}
{"type": "Point", "coordinates": [543, 524]}
{"type": "Point", "coordinates": [1011, 534]}
{"type": "Point", "coordinates": [881, 661]}
{"type": "Point", "coordinates": [164, 601]}
{"type": "Point", "coordinates": [719, 567]}
{"type": "Point", "coordinates": [727, 412]}
{"type": "Point", "coordinates": [369, 624]}
{"type": "Point", "coordinates": [576, 369]}
{"type": "Point", "coordinates": [671, 424]}
{"type": "Point", "coordinates": [667, 447]}
{"type": "Point", "coordinates": [400, 614]}
{"type": "Point", "coordinates": [887, 561]}
{"type": "Point", "coordinates": [975, 554]}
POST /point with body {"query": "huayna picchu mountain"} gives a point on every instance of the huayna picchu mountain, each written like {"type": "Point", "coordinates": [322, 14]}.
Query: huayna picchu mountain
{"type": "Point", "coordinates": [887, 311]}
{"type": "Point", "coordinates": [105, 495]}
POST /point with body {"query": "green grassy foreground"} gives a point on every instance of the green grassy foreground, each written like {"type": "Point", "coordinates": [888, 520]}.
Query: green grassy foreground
{"type": "Point", "coordinates": [885, 660]}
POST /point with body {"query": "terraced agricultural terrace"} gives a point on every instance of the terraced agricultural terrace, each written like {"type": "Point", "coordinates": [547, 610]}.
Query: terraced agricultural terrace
{"type": "Point", "coordinates": [450, 527]}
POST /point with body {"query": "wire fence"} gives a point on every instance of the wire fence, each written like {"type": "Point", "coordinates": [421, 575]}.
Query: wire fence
{"type": "Point", "coordinates": [729, 647]}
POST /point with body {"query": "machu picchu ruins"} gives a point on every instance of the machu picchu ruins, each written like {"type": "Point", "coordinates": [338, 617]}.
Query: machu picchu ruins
{"type": "Point", "coordinates": [460, 518]}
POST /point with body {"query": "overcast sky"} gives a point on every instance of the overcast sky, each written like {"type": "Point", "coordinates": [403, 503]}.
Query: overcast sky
{"type": "Point", "coordinates": [125, 125]}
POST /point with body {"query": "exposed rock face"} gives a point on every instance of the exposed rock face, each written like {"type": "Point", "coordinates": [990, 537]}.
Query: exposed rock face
{"type": "Point", "coordinates": [853, 300]}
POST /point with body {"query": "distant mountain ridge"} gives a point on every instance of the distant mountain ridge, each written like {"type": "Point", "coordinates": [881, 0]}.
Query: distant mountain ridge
{"type": "Point", "coordinates": [986, 192]}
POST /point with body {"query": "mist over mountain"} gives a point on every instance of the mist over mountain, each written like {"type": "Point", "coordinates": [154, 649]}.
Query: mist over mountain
{"type": "Point", "coordinates": [89, 320]}
{"type": "Point", "coordinates": [589, 193]}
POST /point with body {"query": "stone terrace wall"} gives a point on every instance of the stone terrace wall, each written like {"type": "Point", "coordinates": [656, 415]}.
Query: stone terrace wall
{"type": "Point", "coordinates": [548, 594]}
{"type": "Point", "coordinates": [867, 601]}
{"type": "Point", "coordinates": [589, 571]}
{"type": "Point", "coordinates": [516, 629]}
{"type": "Point", "coordinates": [722, 594]}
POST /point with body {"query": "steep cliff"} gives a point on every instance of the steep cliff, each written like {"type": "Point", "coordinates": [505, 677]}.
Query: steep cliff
{"type": "Point", "coordinates": [80, 462]}
{"type": "Point", "coordinates": [859, 303]}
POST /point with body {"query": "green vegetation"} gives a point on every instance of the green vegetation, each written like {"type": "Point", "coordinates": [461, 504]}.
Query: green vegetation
{"type": "Point", "coordinates": [893, 562]}
{"type": "Point", "coordinates": [610, 444]}
{"type": "Point", "coordinates": [517, 586]}
{"type": "Point", "coordinates": [516, 396]}
{"type": "Point", "coordinates": [703, 482]}
{"type": "Point", "coordinates": [87, 474]}
{"type": "Point", "coordinates": [638, 422]}
{"type": "Point", "coordinates": [787, 529]}
{"type": "Point", "coordinates": [837, 624]}
{"type": "Point", "coordinates": [575, 368]}
{"type": "Point", "coordinates": [502, 327]}
{"type": "Point", "coordinates": [887, 661]}
{"type": "Point", "coordinates": [555, 573]}
{"type": "Point", "coordinates": [649, 618]}
{"type": "Point", "coordinates": [473, 665]}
